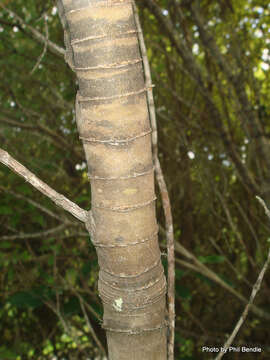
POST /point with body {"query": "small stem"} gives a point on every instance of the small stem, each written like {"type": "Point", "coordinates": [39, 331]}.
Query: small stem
{"type": "Point", "coordinates": [36, 34]}
{"type": "Point", "coordinates": [254, 292]}
{"type": "Point", "coordinates": [45, 46]}
{"type": "Point", "coordinates": [34, 203]}
{"type": "Point", "coordinates": [57, 198]}
{"type": "Point", "coordinates": [243, 317]}
{"type": "Point", "coordinates": [90, 327]}
{"type": "Point", "coordinates": [162, 188]}
{"type": "Point", "coordinates": [36, 235]}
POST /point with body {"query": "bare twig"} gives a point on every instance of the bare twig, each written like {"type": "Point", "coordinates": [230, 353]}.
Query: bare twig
{"type": "Point", "coordinates": [254, 292]}
{"type": "Point", "coordinates": [267, 211]}
{"type": "Point", "coordinates": [92, 331]}
{"type": "Point", "coordinates": [249, 224]}
{"type": "Point", "coordinates": [57, 198]}
{"type": "Point", "coordinates": [198, 266]}
{"type": "Point", "coordinates": [45, 46]}
{"type": "Point", "coordinates": [239, 275]}
{"type": "Point", "coordinates": [36, 34]}
{"type": "Point", "coordinates": [234, 228]}
{"type": "Point", "coordinates": [163, 190]}
{"type": "Point", "coordinates": [34, 203]}
{"type": "Point", "coordinates": [61, 318]}
{"type": "Point", "coordinates": [34, 235]}
{"type": "Point", "coordinates": [58, 140]}
{"type": "Point", "coordinates": [67, 328]}
{"type": "Point", "coordinates": [76, 293]}
{"type": "Point", "coordinates": [195, 71]}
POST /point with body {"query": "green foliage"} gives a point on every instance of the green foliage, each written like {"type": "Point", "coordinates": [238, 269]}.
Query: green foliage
{"type": "Point", "coordinates": [212, 259]}
{"type": "Point", "coordinates": [72, 306]}
{"type": "Point", "coordinates": [182, 292]}
{"type": "Point", "coordinates": [31, 299]}
{"type": "Point", "coordinates": [7, 354]}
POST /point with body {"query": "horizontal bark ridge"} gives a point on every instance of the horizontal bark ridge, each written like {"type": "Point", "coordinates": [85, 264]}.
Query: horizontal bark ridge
{"type": "Point", "coordinates": [109, 66]}
{"type": "Point", "coordinates": [116, 142]}
{"type": "Point", "coordinates": [84, 98]}
{"type": "Point", "coordinates": [113, 123]}
{"type": "Point", "coordinates": [130, 176]}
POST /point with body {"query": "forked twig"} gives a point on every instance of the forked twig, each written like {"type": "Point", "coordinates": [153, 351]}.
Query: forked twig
{"type": "Point", "coordinates": [45, 45]}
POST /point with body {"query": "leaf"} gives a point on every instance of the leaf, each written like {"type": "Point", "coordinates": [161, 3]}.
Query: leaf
{"type": "Point", "coordinates": [86, 269]}
{"type": "Point", "coordinates": [205, 279]}
{"type": "Point", "coordinates": [31, 299]}
{"type": "Point", "coordinates": [15, 219]}
{"type": "Point", "coordinates": [98, 309]}
{"type": "Point", "coordinates": [183, 292]}
{"type": "Point", "coordinates": [25, 189]}
{"type": "Point", "coordinates": [212, 259]}
{"type": "Point", "coordinates": [10, 274]}
{"type": "Point", "coordinates": [4, 210]}
{"type": "Point", "coordinates": [82, 198]}
{"type": "Point", "coordinates": [51, 260]}
{"type": "Point", "coordinates": [72, 306]}
{"type": "Point", "coordinates": [5, 245]}
{"type": "Point", "coordinates": [71, 276]}
{"type": "Point", "coordinates": [227, 281]}
{"type": "Point", "coordinates": [65, 338]}
{"type": "Point", "coordinates": [37, 218]}
{"type": "Point", "coordinates": [7, 354]}
{"type": "Point", "coordinates": [165, 264]}
{"type": "Point", "coordinates": [24, 299]}
{"type": "Point", "coordinates": [179, 274]}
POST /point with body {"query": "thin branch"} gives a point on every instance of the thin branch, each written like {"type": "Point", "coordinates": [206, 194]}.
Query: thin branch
{"type": "Point", "coordinates": [34, 203]}
{"type": "Point", "coordinates": [57, 198]}
{"type": "Point", "coordinates": [249, 224]}
{"type": "Point", "coordinates": [195, 71]}
{"type": "Point", "coordinates": [254, 292]}
{"type": "Point", "coordinates": [234, 78]}
{"type": "Point", "coordinates": [66, 326]}
{"type": "Point", "coordinates": [52, 136]}
{"type": "Point", "coordinates": [267, 211]}
{"type": "Point", "coordinates": [45, 46]}
{"type": "Point", "coordinates": [36, 34]}
{"type": "Point", "coordinates": [34, 235]}
{"type": "Point", "coordinates": [14, 123]}
{"type": "Point", "coordinates": [76, 293]}
{"type": "Point", "coordinates": [28, 112]}
{"type": "Point", "coordinates": [163, 190]}
{"type": "Point", "coordinates": [92, 331]}
{"type": "Point", "coordinates": [238, 274]}
{"type": "Point", "coordinates": [203, 269]}
{"type": "Point", "coordinates": [234, 227]}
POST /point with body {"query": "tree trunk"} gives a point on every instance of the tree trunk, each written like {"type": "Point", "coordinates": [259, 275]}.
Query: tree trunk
{"type": "Point", "coordinates": [112, 119]}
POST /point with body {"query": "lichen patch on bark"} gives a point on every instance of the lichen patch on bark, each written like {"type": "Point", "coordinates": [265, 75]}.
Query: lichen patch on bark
{"type": "Point", "coordinates": [118, 304]}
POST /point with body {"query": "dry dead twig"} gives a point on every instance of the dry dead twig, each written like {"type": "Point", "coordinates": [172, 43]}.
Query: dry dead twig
{"type": "Point", "coordinates": [254, 292]}
{"type": "Point", "coordinates": [162, 188]}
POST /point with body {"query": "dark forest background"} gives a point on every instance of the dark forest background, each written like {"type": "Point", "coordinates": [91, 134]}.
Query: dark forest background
{"type": "Point", "coordinates": [210, 65]}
